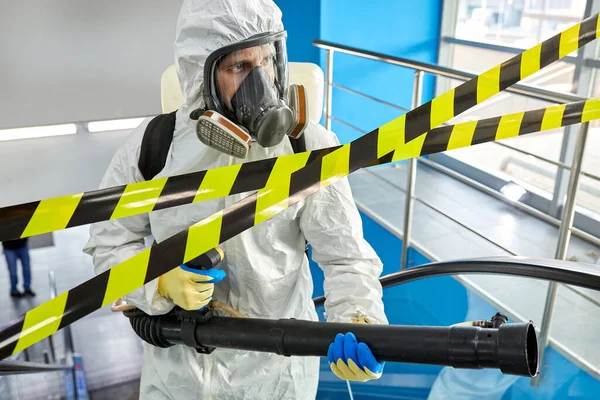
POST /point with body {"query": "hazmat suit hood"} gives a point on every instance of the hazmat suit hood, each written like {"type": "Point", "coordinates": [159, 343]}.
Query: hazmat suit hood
{"type": "Point", "coordinates": [204, 26]}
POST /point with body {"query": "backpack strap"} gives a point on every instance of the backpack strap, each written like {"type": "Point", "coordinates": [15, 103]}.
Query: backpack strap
{"type": "Point", "coordinates": [298, 145]}
{"type": "Point", "coordinates": [156, 144]}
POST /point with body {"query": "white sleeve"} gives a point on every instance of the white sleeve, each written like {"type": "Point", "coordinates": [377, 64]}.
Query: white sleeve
{"type": "Point", "coordinates": [332, 225]}
{"type": "Point", "coordinates": [114, 241]}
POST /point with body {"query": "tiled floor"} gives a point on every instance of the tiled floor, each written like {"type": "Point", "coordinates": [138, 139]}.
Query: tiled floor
{"type": "Point", "coordinates": [112, 352]}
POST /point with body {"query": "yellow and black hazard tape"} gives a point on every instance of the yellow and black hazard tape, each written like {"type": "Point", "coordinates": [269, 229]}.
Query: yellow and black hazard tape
{"type": "Point", "coordinates": [63, 212]}
{"type": "Point", "coordinates": [131, 274]}
{"type": "Point", "coordinates": [399, 139]}
{"type": "Point", "coordinates": [68, 211]}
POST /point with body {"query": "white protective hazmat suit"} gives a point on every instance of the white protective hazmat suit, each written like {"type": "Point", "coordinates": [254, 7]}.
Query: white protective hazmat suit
{"type": "Point", "coordinates": [267, 271]}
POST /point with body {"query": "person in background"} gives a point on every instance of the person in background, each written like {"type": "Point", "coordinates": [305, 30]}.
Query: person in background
{"type": "Point", "coordinates": [14, 250]}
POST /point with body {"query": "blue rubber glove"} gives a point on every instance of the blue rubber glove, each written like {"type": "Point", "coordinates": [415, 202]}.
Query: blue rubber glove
{"type": "Point", "coordinates": [353, 361]}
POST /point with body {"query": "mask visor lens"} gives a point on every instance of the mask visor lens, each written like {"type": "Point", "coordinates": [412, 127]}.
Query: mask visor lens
{"type": "Point", "coordinates": [231, 69]}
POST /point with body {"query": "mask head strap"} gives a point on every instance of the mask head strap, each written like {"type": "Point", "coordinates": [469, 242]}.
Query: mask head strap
{"type": "Point", "coordinates": [298, 101]}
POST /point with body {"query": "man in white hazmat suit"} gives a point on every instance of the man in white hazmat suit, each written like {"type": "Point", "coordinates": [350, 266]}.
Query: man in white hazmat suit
{"type": "Point", "coordinates": [267, 272]}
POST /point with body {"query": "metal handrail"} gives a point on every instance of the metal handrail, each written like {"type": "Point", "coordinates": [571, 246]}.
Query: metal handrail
{"type": "Point", "coordinates": [470, 285]}
{"type": "Point", "coordinates": [547, 160]}
{"type": "Point", "coordinates": [591, 176]}
{"type": "Point", "coordinates": [349, 125]}
{"type": "Point", "coordinates": [68, 339]}
{"type": "Point", "coordinates": [451, 218]}
{"type": "Point", "coordinates": [366, 96]}
{"type": "Point", "coordinates": [411, 178]}
{"type": "Point", "coordinates": [53, 293]}
{"type": "Point", "coordinates": [12, 367]}
{"type": "Point", "coordinates": [397, 107]}
{"type": "Point", "coordinates": [566, 227]}
{"type": "Point", "coordinates": [524, 163]}
{"type": "Point", "coordinates": [8, 367]}
{"type": "Point", "coordinates": [522, 89]}
{"type": "Point", "coordinates": [521, 206]}
{"type": "Point", "coordinates": [475, 231]}
{"type": "Point", "coordinates": [495, 47]}
{"type": "Point", "coordinates": [527, 153]}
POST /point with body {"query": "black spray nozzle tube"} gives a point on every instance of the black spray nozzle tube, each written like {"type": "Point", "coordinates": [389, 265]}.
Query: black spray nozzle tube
{"type": "Point", "coordinates": [512, 348]}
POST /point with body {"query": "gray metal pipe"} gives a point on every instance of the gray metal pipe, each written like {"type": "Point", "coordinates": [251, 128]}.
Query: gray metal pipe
{"type": "Point", "coordinates": [525, 90]}
{"type": "Point", "coordinates": [328, 88]}
{"type": "Point", "coordinates": [523, 207]}
{"type": "Point", "coordinates": [410, 180]}
{"type": "Point", "coordinates": [563, 239]}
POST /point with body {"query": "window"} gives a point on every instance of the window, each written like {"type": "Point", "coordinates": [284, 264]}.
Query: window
{"type": "Point", "coordinates": [488, 32]}
{"type": "Point", "coordinates": [519, 23]}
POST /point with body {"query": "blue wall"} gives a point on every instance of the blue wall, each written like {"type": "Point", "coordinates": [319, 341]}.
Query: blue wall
{"type": "Point", "coordinates": [400, 28]}
{"type": "Point", "coordinates": [302, 20]}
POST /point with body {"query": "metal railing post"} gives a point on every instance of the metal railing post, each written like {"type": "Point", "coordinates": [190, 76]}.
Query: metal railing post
{"type": "Point", "coordinates": [410, 179]}
{"type": "Point", "coordinates": [328, 88]}
{"type": "Point", "coordinates": [52, 282]}
{"type": "Point", "coordinates": [566, 225]}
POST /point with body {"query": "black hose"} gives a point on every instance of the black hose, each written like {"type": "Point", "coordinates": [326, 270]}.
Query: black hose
{"type": "Point", "coordinates": [567, 272]}
{"type": "Point", "coordinates": [512, 347]}
{"type": "Point", "coordinates": [148, 328]}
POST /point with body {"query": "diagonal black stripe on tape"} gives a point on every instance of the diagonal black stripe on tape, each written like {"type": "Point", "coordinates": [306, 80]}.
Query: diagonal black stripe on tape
{"type": "Point", "coordinates": [96, 206]}
{"type": "Point", "coordinates": [572, 114]}
{"type": "Point", "coordinates": [485, 130]}
{"type": "Point", "coordinates": [418, 121]}
{"type": "Point", "coordinates": [14, 219]}
{"type": "Point", "coordinates": [84, 299]}
{"type": "Point", "coordinates": [549, 52]}
{"type": "Point", "coordinates": [437, 140]}
{"type": "Point", "coordinates": [167, 256]}
{"type": "Point", "coordinates": [239, 217]}
{"type": "Point", "coordinates": [253, 176]}
{"type": "Point", "coordinates": [306, 177]}
{"type": "Point", "coordinates": [510, 72]}
{"type": "Point", "coordinates": [532, 122]}
{"type": "Point", "coordinates": [465, 96]}
{"type": "Point", "coordinates": [307, 181]}
{"type": "Point", "coordinates": [364, 149]}
{"type": "Point", "coordinates": [381, 160]}
{"type": "Point", "coordinates": [179, 190]}
{"type": "Point", "coordinates": [9, 336]}
{"type": "Point", "coordinates": [314, 154]}
{"type": "Point", "coordinates": [387, 158]}
{"type": "Point", "coordinates": [320, 153]}
{"type": "Point", "coordinates": [587, 31]}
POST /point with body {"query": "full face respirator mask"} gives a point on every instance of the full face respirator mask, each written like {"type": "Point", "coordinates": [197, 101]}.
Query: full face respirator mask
{"type": "Point", "coordinates": [248, 98]}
